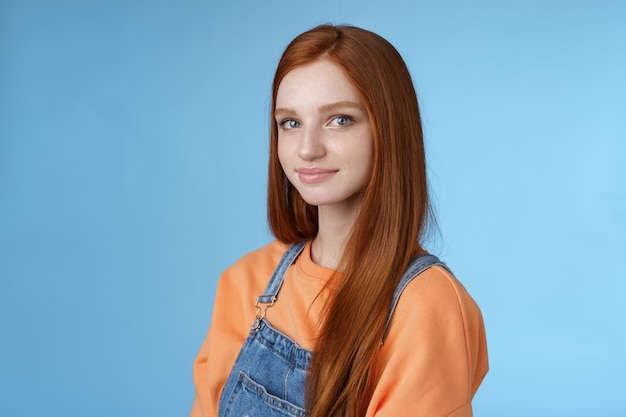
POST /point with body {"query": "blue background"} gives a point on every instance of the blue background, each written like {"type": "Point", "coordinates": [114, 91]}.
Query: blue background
{"type": "Point", "coordinates": [133, 146]}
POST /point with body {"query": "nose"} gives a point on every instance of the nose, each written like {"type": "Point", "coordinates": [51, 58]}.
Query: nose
{"type": "Point", "coordinates": [311, 144]}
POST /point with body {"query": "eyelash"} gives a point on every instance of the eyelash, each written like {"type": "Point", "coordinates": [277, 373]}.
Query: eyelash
{"type": "Point", "coordinates": [343, 116]}
{"type": "Point", "coordinates": [283, 124]}
{"type": "Point", "coordinates": [349, 120]}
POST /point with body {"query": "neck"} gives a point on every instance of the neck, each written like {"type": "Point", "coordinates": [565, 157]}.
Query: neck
{"type": "Point", "coordinates": [335, 225]}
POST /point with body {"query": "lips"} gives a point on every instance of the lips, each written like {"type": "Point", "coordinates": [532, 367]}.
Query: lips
{"type": "Point", "coordinates": [314, 175]}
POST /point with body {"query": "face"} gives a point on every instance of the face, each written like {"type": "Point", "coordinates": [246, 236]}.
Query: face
{"type": "Point", "coordinates": [325, 142]}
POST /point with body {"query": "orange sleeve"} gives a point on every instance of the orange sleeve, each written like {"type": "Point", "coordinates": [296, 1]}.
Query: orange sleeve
{"type": "Point", "coordinates": [224, 339]}
{"type": "Point", "coordinates": [431, 364]}
{"type": "Point", "coordinates": [233, 313]}
{"type": "Point", "coordinates": [435, 356]}
{"type": "Point", "coordinates": [200, 378]}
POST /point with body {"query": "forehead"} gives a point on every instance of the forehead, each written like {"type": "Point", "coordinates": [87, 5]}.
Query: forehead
{"type": "Point", "coordinates": [321, 81]}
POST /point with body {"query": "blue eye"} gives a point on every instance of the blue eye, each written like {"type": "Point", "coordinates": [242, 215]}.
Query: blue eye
{"type": "Point", "coordinates": [342, 121]}
{"type": "Point", "coordinates": [289, 124]}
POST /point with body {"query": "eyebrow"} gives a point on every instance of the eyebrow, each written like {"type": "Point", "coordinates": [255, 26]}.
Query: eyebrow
{"type": "Point", "coordinates": [286, 111]}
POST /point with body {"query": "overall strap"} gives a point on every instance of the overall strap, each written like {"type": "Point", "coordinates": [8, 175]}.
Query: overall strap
{"type": "Point", "coordinates": [276, 281]}
{"type": "Point", "coordinates": [418, 265]}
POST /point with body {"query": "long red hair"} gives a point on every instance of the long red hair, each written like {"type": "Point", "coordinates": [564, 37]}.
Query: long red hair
{"type": "Point", "coordinates": [389, 227]}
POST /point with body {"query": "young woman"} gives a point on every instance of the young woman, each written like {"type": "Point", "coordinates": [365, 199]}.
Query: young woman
{"type": "Point", "coordinates": [345, 314]}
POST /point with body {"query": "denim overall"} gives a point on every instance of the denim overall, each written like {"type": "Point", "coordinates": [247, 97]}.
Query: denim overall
{"type": "Point", "coordinates": [268, 377]}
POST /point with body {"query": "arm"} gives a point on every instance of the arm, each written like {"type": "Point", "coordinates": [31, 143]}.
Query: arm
{"type": "Point", "coordinates": [233, 312]}
{"type": "Point", "coordinates": [200, 379]}
{"type": "Point", "coordinates": [435, 356]}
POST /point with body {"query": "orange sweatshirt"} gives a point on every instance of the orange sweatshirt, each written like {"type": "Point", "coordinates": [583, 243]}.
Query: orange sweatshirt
{"type": "Point", "coordinates": [431, 364]}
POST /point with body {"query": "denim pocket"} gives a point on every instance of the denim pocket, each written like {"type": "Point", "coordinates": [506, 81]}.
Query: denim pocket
{"type": "Point", "coordinates": [249, 399]}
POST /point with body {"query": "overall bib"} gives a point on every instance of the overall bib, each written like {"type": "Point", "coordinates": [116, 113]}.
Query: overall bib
{"type": "Point", "coordinates": [268, 377]}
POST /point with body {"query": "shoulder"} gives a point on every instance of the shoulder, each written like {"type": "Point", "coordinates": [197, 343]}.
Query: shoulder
{"type": "Point", "coordinates": [437, 290]}
{"type": "Point", "coordinates": [252, 270]}
{"type": "Point", "coordinates": [436, 346]}
{"type": "Point", "coordinates": [262, 258]}
{"type": "Point", "coordinates": [240, 285]}
{"type": "Point", "coordinates": [439, 307]}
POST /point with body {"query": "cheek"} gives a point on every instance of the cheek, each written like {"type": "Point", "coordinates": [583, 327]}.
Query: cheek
{"type": "Point", "coordinates": [367, 168]}
{"type": "Point", "coordinates": [283, 154]}
{"type": "Point", "coordinates": [367, 157]}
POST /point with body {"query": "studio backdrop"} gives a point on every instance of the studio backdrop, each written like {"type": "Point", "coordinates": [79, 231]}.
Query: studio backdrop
{"type": "Point", "coordinates": [133, 158]}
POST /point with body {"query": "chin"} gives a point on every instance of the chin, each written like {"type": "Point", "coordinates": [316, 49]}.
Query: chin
{"type": "Point", "coordinates": [317, 201]}
{"type": "Point", "coordinates": [329, 201]}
